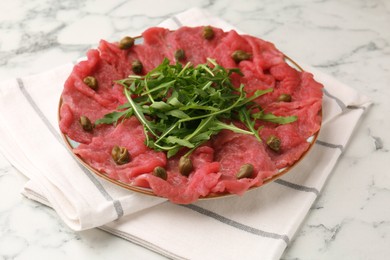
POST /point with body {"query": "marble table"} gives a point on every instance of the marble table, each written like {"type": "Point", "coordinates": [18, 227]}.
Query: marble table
{"type": "Point", "coordinates": [347, 39]}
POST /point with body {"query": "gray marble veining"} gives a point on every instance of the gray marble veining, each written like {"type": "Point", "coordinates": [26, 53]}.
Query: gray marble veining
{"type": "Point", "coordinates": [347, 39]}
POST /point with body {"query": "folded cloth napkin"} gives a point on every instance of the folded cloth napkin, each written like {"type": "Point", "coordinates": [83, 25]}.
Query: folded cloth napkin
{"type": "Point", "coordinates": [258, 225]}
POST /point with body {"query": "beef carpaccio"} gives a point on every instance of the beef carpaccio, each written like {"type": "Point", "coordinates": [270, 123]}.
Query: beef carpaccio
{"type": "Point", "coordinates": [216, 162]}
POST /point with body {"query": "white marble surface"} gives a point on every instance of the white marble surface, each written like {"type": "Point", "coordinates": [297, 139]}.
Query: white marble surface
{"type": "Point", "coordinates": [347, 39]}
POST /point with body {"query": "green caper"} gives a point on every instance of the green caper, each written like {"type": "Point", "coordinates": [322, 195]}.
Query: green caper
{"type": "Point", "coordinates": [91, 82]}
{"type": "Point", "coordinates": [120, 155]}
{"type": "Point", "coordinates": [208, 32]}
{"type": "Point", "coordinates": [126, 43]}
{"type": "Point", "coordinates": [273, 143]}
{"type": "Point", "coordinates": [185, 166]}
{"type": "Point", "coordinates": [180, 55]}
{"type": "Point", "coordinates": [86, 123]}
{"type": "Point", "coordinates": [160, 172]}
{"type": "Point", "coordinates": [240, 55]}
{"type": "Point", "coordinates": [245, 171]}
{"type": "Point", "coordinates": [284, 98]}
{"type": "Point", "coordinates": [137, 66]}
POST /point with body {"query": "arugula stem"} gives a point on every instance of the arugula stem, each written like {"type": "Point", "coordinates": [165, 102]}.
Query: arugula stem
{"type": "Point", "coordinates": [217, 112]}
{"type": "Point", "coordinates": [147, 91]}
{"type": "Point", "coordinates": [139, 114]}
{"type": "Point", "coordinates": [170, 129]}
{"type": "Point", "coordinates": [257, 94]}
{"type": "Point", "coordinates": [203, 124]}
{"type": "Point", "coordinates": [184, 68]}
{"type": "Point", "coordinates": [207, 85]}
{"type": "Point", "coordinates": [166, 148]}
{"type": "Point", "coordinates": [233, 128]}
{"type": "Point", "coordinates": [162, 86]}
{"type": "Point", "coordinates": [249, 123]}
{"type": "Point", "coordinates": [206, 69]}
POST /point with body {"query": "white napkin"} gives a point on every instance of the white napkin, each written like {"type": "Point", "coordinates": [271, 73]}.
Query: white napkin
{"type": "Point", "coordinates": [258, 225]}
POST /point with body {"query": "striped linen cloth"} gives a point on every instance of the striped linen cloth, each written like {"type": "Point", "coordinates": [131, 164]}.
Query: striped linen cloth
{"type": "Point", "coordinates": [258, 225]}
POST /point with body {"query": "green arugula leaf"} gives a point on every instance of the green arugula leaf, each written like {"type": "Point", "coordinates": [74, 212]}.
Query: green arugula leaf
{"type": "Point", "coordinates": [218, 126]}
{"type": "Point", "coordinates": [177, 113]}
{"type": "Point", "coordinates": [275, 119]}
{"type": "Point", "coordinates": [160, 105]}
{"type": "Point", "coordinates": [175, 140]}
{"type": "Point", "coordinates": [113, 117]}
{"type": "Point", "coordinates": [173, 151]}
{"type": "Point", "coordinates": [203, 136]}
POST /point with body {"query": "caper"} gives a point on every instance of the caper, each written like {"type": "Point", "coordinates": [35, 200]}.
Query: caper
{"type": "Point", "coordinates": [126, 43]}
{"type": "Point", "coordinates": [208, 32]}
{"type": "Point", "coordinates": [120, 155]}
{"type": "Point", "coordinates": [273, 143]}
{"type": "Point", "coordinates": [245, 171]}
{"type": "Point", "coordinates": [240, 55]}
{"type": "Point", "coordinates": [180, 55]}
{"type": "Point", "coordinates": [160, 172]}
{"type": "Point", "coordinates": [137, 66]}
{"type": "Point", "coordinates": [86, 124]}
{"type": "Point", "coordinates": [185, 166]}
{"type": "Point", "coordinates": [91, 82]}
{"type": "Point", "coordinates": [284, 98]}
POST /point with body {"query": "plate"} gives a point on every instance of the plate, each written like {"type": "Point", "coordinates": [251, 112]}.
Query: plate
{"type": "Point", "coordinates": [146, 191]}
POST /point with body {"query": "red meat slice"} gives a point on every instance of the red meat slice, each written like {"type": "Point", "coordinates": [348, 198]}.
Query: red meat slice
{"type": "Point", "coordinates": [80, 100]}
{"type": "Point", "coordinates": [154, 49]}
{"type": "Point", "coordinates": [197, 49]}
{"type": "Point", "coordinates": [105, 75]}
{"type": "Point", "coordinates": [232, 150]}
{"type": "Point", "coordinates": [309, 88]}
{"type": "Point", "coordinates": [254, 80]}
{"type": "Point", "coordinates": [117, 58]}
{"type": "Point", "coordinates": [183, 190]}
{"type": "Point", "coordinates": [292, 144]}
{"type": "Point", "coordinates": [307, 111]}
{"type": "Point", "coordinates": [229, 44]}
{"type": "Point", "coordinates": [300, 85]}
{"type": "Point", "coordinates": [129, 134]}
{"type": "Point", "coordinates": [70, 125]}
{"type": "Point", "coordinates": [76, 104]}
{"type": "Point", "coordinates": [121, 60]}
{"type": "Point", "coordinates": [265, 55]}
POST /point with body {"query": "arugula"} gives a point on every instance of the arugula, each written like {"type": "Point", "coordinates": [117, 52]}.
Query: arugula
{"type": "Point", "coordinates": [113, 117]}
{"type": "Point", "coordinates": [274, 119]}
{"type": "Point", "coordinates": [124, 111]}
{"type": "Point", "coordinates": [183, 106]}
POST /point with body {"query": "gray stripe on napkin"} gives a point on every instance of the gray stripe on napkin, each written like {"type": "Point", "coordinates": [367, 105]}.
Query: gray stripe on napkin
{"type": "Point", "coordinates": [297, 186]}
{"type": "Point", "coordinates": [341, 103]}
{"type": "Point", "coordinates": [36, 109]}
{"type": "Point", "coordinates": [236, 224]}
{"type": "Point", "coordinates": [177, 21]}
{"type": "Point", "coordinates": [338, 101]}
{"type": "Point", "coordinates": [356, 107]}
{"type": "Point", "coordinates": [330, 145]}
{"type": "Point", "coordinates": [139, 241]}
{"type": "Point", "coordinates": [99, 186]}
